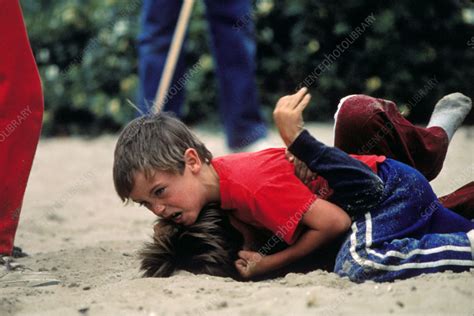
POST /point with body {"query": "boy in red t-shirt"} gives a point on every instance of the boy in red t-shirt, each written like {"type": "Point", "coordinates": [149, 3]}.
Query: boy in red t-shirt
{"type": "Point", "coordinates": [160, 164]}
{"type": "Point", "coordinates": [178, 185]}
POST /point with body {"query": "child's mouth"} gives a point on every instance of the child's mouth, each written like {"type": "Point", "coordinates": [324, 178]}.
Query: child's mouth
{"type": "Point", "coordinates": [177, 216]}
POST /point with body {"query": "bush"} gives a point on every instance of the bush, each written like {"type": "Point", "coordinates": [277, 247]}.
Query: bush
{"type": "Point", "coordinates": [412, 52]}
{"type": "Point", "coordinates": [87, 60]}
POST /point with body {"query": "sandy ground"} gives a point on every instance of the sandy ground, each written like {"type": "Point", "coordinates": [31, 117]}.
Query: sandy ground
{"type": "Point", "coordinates": [75, 228]}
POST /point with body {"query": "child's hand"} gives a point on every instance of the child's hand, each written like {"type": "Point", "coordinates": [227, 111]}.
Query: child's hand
{"type": "Point", "coordinates": [250, 264]}
{"type": "Point", "coordinates": [302, 171]}
{"type": "Point", "coordinates": [288, 115]}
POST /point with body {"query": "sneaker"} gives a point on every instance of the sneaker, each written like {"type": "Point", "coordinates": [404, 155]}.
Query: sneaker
{"type": "Point", "coordinates": [9, 264]}
{"type": "Point", "coordinates": [18, 252]}
{"type": "Point", "coordinates": [13, 274]}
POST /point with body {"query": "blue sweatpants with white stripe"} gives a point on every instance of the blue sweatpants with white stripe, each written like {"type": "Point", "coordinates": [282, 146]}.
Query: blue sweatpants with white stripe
{"type": "Point", "coordinates": [409, 233]}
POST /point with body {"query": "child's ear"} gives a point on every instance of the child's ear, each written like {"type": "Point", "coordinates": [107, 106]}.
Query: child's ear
{"type": "Point", "coordinates": [192, 160]}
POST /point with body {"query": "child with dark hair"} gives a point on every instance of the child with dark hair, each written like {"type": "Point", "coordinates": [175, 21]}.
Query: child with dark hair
{"type": "Point", "coordinates": [209, 246]}
{"type": "Point", "coordinates": [261, 190]}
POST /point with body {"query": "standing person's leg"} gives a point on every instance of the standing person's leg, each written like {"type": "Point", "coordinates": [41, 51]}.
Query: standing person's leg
{"type": "Point", "coordinates": [21, 112]}
{"type": "Point", "coordinates": [411, 233]}
{"type": "Point", "coordinates": [234, 48]}
{"type": "Point", "coordinates": [158, 22]}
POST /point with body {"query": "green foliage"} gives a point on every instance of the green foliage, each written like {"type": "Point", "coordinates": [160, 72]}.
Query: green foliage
{"type": "Point", "coordinates": [86, 53]}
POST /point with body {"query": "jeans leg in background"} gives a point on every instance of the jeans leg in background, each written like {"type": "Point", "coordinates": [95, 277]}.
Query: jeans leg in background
{"type": "Point", "coordinates": [158, 23]}
{"type": "Point", "coordinates": [234, 47]}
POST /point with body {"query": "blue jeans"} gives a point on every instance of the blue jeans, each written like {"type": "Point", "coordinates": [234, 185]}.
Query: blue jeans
{"type": "Point", "coordinates": [399, 229]}
{"type": "Point", "coordinates": [233, 46]}
{"type": "Point", "coordinates": [409, 233]}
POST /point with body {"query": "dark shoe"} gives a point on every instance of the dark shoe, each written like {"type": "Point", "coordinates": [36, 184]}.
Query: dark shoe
{"type": "Point", "coordinates": [18, 253]}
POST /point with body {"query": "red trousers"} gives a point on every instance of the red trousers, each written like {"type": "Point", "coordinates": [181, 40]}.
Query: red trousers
{"type": "Point", "coordinates": [21, 113]}
{"type": "Point", "coordinates": [366, 125]}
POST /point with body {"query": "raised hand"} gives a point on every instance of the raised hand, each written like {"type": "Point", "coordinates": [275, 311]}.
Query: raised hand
{"type": "Point", "coordinates": [288, 115]}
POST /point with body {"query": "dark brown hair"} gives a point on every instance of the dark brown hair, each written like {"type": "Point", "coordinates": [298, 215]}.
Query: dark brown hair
{"type": "Point", "coordinates": [209, 246]}
{"type": "Point", "coordinates": [149, 143]}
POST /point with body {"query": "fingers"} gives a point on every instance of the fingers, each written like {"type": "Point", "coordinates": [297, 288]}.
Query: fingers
{"type": "Point", "coordinates": [293, 100]}
{"type": "Point", "coordinates": [303, 103]}
{"type": "Point", "coordinates": [297, 164]}
{"type": "Point", "coordinates": [289, 156]}
{"type": "Point", "coordinates": [303, 172]}
{"type": "Point", "coordinates": [299, 96]}
{"type": "Point", "coordinates": [288, 115]}
{"type": "Point", "coordinates": [240, 263]}
{"type": "Point", "coordinates": [241, 266]}
{"type": "Point", "coordinates": [251, 257]}
{"type": "Point", "coordinates": [308, 176]}
{"type": "Point", "coordinates": [245, 255]}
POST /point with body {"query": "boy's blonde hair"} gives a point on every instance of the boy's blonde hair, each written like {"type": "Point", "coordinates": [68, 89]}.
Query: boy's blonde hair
{"type": "Point", "coordinates": [149, 143]}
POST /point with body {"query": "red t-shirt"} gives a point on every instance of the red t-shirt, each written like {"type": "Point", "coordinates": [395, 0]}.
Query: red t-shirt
{"type": "Point", "coordinates": [263, 191]}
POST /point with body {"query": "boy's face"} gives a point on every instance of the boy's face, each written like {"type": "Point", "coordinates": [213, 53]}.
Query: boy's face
{"type": "Point", "coordinates": [172, 195]}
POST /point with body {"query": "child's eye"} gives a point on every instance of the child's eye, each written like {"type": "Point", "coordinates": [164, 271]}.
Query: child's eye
{"type": "Point", "coordinates": [159, 191]}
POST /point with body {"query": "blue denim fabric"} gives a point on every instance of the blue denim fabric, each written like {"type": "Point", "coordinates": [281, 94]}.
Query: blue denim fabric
{"type": "Point", "coordinates": [408, 234]}
{"type": "Point", "coordinates": [233, 45]}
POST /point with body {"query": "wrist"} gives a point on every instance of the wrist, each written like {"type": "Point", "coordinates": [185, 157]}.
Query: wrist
{"type": "Point", "coordinates": [296, 135]}
{"type": "Point", "coordinates": [274, 261]}
{"type": "Point", "coordinates": [263, 265]}
{"type": "Point", "coordinates": [291, 139]}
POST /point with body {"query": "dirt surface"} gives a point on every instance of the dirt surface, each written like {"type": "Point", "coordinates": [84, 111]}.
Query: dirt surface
{"type": "Point", "coordinates": [75, 228]}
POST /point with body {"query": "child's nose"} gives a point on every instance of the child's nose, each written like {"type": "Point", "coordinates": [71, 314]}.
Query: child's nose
{"type": "Point", "coordinates": [158, 209]}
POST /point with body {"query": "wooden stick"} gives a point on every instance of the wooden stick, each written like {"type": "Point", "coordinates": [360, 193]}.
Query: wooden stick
{"type": "Point", "coordinates": [173, 53]}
